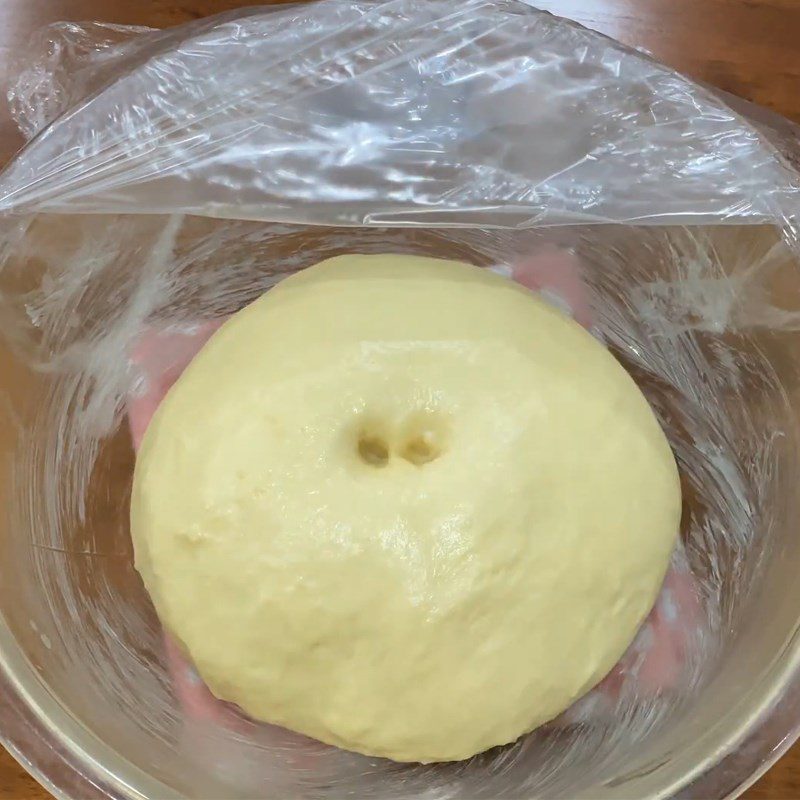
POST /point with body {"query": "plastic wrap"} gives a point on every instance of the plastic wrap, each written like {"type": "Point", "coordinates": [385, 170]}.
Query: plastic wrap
{"type": "Point", "coordinates": [485, 113]}
{"type": "Point", "coordinates": [173, 176]}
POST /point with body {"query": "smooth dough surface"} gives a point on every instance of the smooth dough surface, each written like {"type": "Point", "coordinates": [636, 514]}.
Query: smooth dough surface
{"type": "Point", "coordinates": [403, 506]}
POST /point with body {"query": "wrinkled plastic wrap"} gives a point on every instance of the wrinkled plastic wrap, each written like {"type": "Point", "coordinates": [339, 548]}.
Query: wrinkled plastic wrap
{"type": "Point", "coordinates": [405, 112]}
{"type": "Point", "coordinates": [171, 177]}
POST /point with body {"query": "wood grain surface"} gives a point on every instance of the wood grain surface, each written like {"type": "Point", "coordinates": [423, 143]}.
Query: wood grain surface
{"type": "Point", "coordinates": [748, 47]}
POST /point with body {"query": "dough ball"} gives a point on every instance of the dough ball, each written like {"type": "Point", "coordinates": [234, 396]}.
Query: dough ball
{"type": "Point", "coordinates": [405, 507]}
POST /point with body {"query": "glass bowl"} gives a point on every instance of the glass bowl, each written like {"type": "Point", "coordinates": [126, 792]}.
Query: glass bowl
{"type": "Point", "coordinates": [702, 317]}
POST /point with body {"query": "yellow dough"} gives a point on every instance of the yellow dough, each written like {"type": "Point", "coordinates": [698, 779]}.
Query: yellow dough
{"type": "Point", "coordinates": [405, 507]}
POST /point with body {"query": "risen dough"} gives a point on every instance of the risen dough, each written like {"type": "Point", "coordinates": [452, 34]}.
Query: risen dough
{"type": "Point", "coordinates": [403, 506]}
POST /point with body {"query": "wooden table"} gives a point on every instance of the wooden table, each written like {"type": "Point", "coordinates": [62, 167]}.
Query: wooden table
{"type": "Point", "coordinates": [748, 47]}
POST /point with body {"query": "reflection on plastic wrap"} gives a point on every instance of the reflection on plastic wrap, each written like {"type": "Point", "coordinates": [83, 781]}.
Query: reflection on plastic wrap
{"type": "Point", "coordinates": [172, 177]}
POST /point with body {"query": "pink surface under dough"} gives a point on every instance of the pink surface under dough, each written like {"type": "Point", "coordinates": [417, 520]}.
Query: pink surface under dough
{"type": "Point", "coordinates": [653, 664]}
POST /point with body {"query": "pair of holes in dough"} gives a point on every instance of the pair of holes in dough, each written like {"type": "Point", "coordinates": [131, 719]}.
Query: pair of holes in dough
{"type": "Point", "coordinates": [419, 445]}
